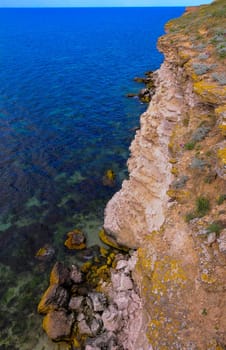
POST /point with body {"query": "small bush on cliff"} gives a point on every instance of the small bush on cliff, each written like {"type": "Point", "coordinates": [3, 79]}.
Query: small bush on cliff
{"type": "Point", "coordinates": [220, 78]}
{"type": "Point", "coordinates": [215, 227]}
{"type": "Point", "coordinates": [202, 206]}
{"type": "Point", "coordinates": [189, 146]}
{"type": "Point", "coordinates": [221, 199]}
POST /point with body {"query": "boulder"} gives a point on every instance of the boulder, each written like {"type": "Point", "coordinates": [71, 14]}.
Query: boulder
{"type": "Point", "coordinates": [99, 301]}
{"type": "Point", "coordinates": [121, 282]}
{"type": "Point", "coordinates": [75, 303]}
{"type": "Point", "coordinates": [112, 319]}
{"type": "Point", "coordinates": [58, 325]}
{"type": "Point", "coordinates": [54, 298]}
{"type": "Point", "coordinates": [60, 274]}
{"type": "Point", "coordinates": [76, 274]}
{"type": "Point", "coordinates": [75, 240]}
{"type": "Point", "coordinates": [45, 253]}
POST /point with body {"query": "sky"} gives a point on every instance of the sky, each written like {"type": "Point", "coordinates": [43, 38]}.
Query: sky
{"type": "Point", "coordinates": [99, 3]}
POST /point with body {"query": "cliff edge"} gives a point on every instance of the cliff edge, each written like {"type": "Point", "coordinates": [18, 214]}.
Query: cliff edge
{"type": "Point", "coordinates": [173, 206]}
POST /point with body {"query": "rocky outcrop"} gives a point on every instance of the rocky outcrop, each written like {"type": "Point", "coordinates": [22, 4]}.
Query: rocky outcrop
{"type": "Point", "coordinates": [172, 207]}
{"type": "Point", "coordinates": [138, 208]}
{"type": "Point", "coordinates": [76, 313]}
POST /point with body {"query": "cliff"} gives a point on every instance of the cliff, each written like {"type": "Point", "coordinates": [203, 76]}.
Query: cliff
{"type": "Point", "coordinates": [173, 206]}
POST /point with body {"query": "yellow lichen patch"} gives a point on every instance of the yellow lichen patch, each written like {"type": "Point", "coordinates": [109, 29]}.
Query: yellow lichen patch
{"type": "Point", "coordinates": [103, 251]}
{"type": "Point", "coordinates": [86, 266]}
{"type": "Point", "coordinates": [167, 273]}
{"type": "Point", "coordinates": [109, 178]}
{"type": "Point", "coordinates": [110, 241]}
{"type": "Point", "coordinates": [207, 278]}
{"type": "Point", "coordinates": [44, 305]}
{"type": "Point", "coordinates": [75, 343]}
{"type": "Point", "coordinates": [41, 252]}
{"type": "Point", "coordinates": [173, 161]}
{"type": "Point", "coordinates": [144, 263]}
{"type": "Point", "coordinates": [180, 196]}
{"type": "Point", "coordinates": [75, 240]}
{"type": "Point", "coordinates": [174, 171]}
{"type": "Point", "coordinates": [158, 329]}
{"type": "Point", "coordinates": [222, 155]}
{"type": "Point", "coordinates": [210, 92]}
{"type": "Point", "coordinates": [96, 275]}
{"type": "Point", "coordinates": [222, 127]}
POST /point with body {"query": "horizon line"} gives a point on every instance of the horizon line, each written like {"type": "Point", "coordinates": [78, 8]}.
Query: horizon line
{"type": "Point", "coordinates": [86, 7]}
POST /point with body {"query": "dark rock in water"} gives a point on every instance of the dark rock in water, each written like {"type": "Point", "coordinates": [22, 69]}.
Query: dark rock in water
{"type": "Point", "coordinates": [89, 253]}
{"type": "Point", "coordinates": [75, 240]}
{"type": "Point", "coordinates": [54, 298]}
{"type": "Point", "coordinates": [60, 274]}
{"type": "Point", "coordinates": [76, 303]}
{"type": "Point", "coordinates": [58, 325]}
{"type": "Point", "coordinates": [139, 80]}
{"type": "Point", "coordinates": [130, 95]}
{"type": "Point", "coordinates": [99, 301]}
{"type": "Point", "coordinates": [45, 253]}
{"type": "Point", "coordinates": [76, 275]}
{"type": "Point", "coordinates": [145, 95]}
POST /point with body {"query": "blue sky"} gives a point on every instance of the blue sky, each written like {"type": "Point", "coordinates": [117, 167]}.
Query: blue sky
{"type": "Point", "coordinates": [98, 3]}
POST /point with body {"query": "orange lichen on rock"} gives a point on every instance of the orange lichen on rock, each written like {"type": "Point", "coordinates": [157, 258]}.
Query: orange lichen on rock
{"type": "Point", "coordinates": [110, 241]}
{"type": "Point", "coordinates": [75, 240]}
{"type": "Point", "coordinates": [109, 178]}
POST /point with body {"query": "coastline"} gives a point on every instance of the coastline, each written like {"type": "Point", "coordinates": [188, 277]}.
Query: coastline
{"type": "Point", "coordinates": [174, 273]}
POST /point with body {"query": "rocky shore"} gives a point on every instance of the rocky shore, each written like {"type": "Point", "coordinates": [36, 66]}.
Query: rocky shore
{"type": "Point", "coordinates": [93, 315]}
{"type": "Point", "coordinates": [167, 291]}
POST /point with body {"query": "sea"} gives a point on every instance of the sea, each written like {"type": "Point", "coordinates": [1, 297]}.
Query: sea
{"type": "Point", "coordinates": [65, 120]}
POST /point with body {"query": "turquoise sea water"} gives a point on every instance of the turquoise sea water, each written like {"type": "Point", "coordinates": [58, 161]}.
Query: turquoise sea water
{"type": "Point", "coordinates": [64, 120]}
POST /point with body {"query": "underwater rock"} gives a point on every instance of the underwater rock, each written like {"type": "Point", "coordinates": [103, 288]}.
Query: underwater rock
{"type": "Point", "coordinates": [58, 325]}
{"type": "Point", "coordinates": [76, 240]}
{"type": "Point", "coordinates": [54, 298]}
{"type": "Point", "coordinates": [60, 274]}
{"type": "Point", "coordinates": [88, 253]}
{"type": "Point", "coordinates": [131, 94]}
{"type": "Point", "coordinates": [45, 253]}
{"type": "Point", "coordinates": [109, 178]}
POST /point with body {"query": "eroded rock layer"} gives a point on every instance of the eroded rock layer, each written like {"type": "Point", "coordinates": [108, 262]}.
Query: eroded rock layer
{"type": "Point", "coordinates": [173, 207]}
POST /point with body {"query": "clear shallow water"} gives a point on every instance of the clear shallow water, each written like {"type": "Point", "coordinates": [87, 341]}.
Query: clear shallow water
{"type": "Point", "coordinates": [64, 120]}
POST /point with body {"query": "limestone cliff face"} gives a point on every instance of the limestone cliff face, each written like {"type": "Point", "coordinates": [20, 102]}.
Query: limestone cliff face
{"type": "Point", "coordinates": [172, 208]}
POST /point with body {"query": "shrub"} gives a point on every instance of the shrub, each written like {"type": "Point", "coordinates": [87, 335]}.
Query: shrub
{"type": "Point", "coordinates": [189, 146]}
{"type": "Point", "coordinates": [220, 78]}
{"type": "Point", "coordinates": [197, 163]}
{"type": "Point", "coordinates": [203, 56]}
{"type": "Point", "coordinates": [221, 199]}
{"type": "Point", "coordinates": [200, 133]}
{"type": "Point", "coordinates": [216, 227]}
{"type": "Point", "coordinates": [202, 206]}
{"type": "Point", "coordinates": [201, 68]}
{"type": "Point", "coordinates": [190, 216]}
